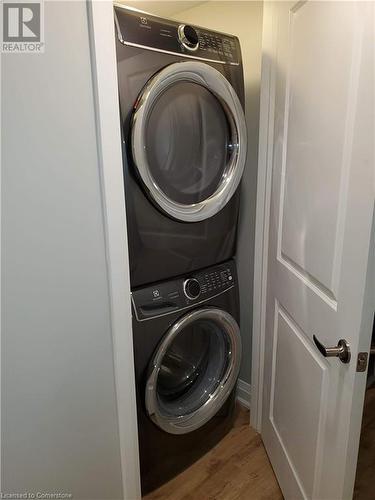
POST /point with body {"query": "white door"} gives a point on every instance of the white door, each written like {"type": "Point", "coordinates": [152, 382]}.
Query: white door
{"type": "Point", "coordinates": [321, 209]}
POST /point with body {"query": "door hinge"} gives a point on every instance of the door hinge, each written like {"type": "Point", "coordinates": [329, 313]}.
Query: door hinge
{"type": "Point", "coordinates": [362, 361]}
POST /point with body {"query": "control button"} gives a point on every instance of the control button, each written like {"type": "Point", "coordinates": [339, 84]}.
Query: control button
{"type": "Point", "coordinates": [192, 288]}
{"type": "Point", "coordinates": [188, 37]}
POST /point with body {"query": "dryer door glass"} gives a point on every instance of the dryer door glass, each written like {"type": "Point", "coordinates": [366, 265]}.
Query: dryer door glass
{"type": "Point", "coordinates": [189, 140]}
{"type": "Point", "coordinates": [194, 370]}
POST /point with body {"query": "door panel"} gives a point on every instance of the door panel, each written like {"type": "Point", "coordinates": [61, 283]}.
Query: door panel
{"type": "Point", "coordinates": [317, 142]}
{"type": "Point", "coordinates": [321, 209]}
{"type": "Point", "coordinates": [298, 432]}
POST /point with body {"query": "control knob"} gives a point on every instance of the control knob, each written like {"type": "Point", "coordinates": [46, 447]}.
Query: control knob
{"type": "Point", "coordinates": [192, 288]}
{"type": "Point", "coordinates": [188, 37]}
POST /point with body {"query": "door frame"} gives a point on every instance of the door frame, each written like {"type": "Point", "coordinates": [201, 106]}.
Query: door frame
{"type": "Point", "coordinates": [264, 177]}
{"type": "Point", "coordinates": [264, 180]}
{"type": "Point", "coordinates": [104, 78]}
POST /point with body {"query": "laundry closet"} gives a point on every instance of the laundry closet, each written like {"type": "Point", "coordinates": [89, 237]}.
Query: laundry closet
{"type": "Point", "coordinates": [186, 150]}
{"type": "Point", "coordinates": [187, 256]}
{"type": "Point", "coordinates": [298, 206]}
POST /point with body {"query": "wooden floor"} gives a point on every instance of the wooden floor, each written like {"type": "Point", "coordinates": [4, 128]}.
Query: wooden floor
{"type": "Point", "coordinates": [364, 484]}
{"type": "Point", "coordinates": [236, 469]}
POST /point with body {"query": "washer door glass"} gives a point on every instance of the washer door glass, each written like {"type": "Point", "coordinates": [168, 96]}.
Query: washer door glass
{"type": "Point", "coordinates": [194, 370]}
{"type": "Point", "coordinates": [189, 140]}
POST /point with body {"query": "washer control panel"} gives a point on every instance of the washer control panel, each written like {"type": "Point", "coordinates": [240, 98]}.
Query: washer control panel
{"type": "Point", "coordinates": [150, 32]}
{"type": "Point", "coordinates": [170, 296]}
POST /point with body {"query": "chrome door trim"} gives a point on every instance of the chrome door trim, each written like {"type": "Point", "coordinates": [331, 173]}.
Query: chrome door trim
{"type": "Point", "coordinates": [194, 304]}
{"type": "Point", "coordinates": [216, 83]}
{"type": "Point", "coordinates": [192, 421]}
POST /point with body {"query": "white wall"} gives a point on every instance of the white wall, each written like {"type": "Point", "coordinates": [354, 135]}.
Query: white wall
{"type": "Point", "coordinates": [164, 8]}
{"type": "Point", "coordinates": [59, 418]}
{"type": "Point", "coordinates": [243, 19]}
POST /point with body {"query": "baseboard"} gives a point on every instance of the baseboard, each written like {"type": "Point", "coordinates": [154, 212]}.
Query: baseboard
{"type": "Point", "coordinates": [243, 393]}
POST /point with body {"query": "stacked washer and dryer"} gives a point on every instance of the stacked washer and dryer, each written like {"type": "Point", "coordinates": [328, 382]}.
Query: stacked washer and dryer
{"type": "Point", "coordinates": [181, 95]}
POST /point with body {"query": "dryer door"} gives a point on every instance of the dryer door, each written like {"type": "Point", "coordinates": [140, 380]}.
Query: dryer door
{"type": "Point", "coordinates": [193, 370]}
{"type": "Point", "coordinates": [189, 140]}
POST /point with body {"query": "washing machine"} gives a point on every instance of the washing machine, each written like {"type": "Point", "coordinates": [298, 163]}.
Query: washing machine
{"type": "Point", "coordinates": [181, 95]}
{"type": "Point", "coordinates": [187, 352]}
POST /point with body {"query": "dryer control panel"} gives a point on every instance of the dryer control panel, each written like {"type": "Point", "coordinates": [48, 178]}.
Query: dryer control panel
{"type": "Point", "coordinates": [170, 296]}
{"type": "Point", "coordinates": [143, 30]}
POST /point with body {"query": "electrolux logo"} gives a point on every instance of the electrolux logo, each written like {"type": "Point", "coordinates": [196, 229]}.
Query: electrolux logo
{"type": "Point", "coordinates": [23, 27]}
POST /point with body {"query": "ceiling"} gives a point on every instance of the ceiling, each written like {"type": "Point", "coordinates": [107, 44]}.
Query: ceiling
{"type": "Point", "coordinates": [166, 8]}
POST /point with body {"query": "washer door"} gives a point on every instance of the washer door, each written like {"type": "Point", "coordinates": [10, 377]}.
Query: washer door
{"type": "Point", "coordinates": [189, 140]}
{"type": "Point", "coordinates": [193, 370]}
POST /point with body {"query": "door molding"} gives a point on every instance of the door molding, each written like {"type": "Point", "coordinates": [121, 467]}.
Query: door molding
{"type": "Point", "coordinates": [266, 120]}
{"type": "Point", "coordinates": [104, 75]}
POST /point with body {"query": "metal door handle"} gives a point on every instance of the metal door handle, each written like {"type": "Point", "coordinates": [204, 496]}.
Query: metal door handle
{"type": "Point", "coordinates": [341, 351]}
